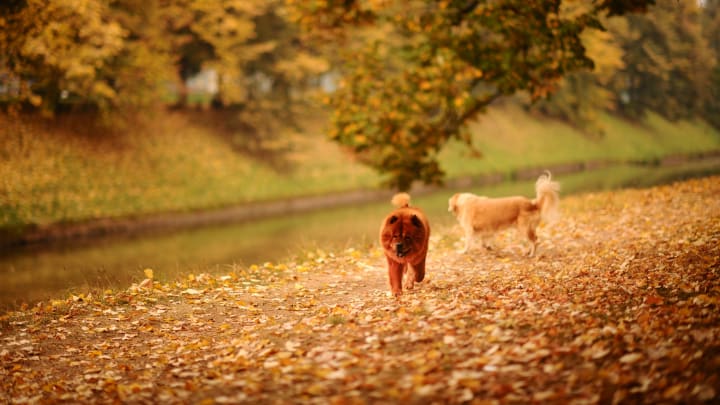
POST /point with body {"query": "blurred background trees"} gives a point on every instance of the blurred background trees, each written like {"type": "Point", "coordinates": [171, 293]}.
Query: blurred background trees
{"type": "Point", "coordinates": [127, 54]}
{"type": "Point", "coordinates": [401, 78]}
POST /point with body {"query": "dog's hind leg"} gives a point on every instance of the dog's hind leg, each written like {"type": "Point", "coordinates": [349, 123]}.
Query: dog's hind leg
{"type": "Point", "coordinates": [532, 237]}
{"type": "Point", "coordinates": [486, 242]}
{"type": "Point", "coordinates": [526, 227]}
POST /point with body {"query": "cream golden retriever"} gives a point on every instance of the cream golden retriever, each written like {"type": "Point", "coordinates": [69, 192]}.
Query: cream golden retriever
{"type": "Point", "coordinates": [484, 216]}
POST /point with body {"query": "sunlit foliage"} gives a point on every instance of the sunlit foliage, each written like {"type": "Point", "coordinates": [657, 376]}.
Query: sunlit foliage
{"type": "Point", "coordinates": [59, 50]}
{"type": "Point", "coordinates": [668, 63]}
{"type": "Point", "coordinates": [581, 97]}
{"type": "Point", "coordinates": [417, 71]}
{"type": "Point", "coordinates": [711, 32]}
{"type": "Point", "coordinates": [128, 54]}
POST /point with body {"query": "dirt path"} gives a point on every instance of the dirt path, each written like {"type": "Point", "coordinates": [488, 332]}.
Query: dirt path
{"type": "Point", "coordinates": [620, 305]}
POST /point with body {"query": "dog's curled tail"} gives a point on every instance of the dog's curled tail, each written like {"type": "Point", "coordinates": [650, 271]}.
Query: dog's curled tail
{"type": "Point", "coordinates": [401, 200]}
{"type": "Point", "coordinates": [547, 197]}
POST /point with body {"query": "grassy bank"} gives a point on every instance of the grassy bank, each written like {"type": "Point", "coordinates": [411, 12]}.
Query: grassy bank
{"type": "Point", "coordinates": [71, 171]}
{"type": "Point", "coordinates": [511, 139]}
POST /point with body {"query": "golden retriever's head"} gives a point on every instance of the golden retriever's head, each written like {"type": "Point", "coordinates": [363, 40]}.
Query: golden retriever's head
{"type": "Point", "coordinates": [456, 202]}
{"type": "Point", "coordinates": [453, 203]}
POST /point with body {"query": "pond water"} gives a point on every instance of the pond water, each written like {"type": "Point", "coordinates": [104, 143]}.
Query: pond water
{"type": "Point", "coordinates": [39, 273]}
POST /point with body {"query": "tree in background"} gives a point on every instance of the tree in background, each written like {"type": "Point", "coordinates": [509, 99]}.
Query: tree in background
{"type": "Point", "coordinates": [146, 64]}
{"type": "Point", "coordinates": [253, 49]}
{"type": "Point", "coordinates": [220, 36]}
{"type": "Point", "coordinates": [59, 51]}
{"type": "Point", "coordinates": [127, 54]}
{"type": "Point", "coordinates": [581, 96]}
{"type": "Point", "coordinates": [417, 71]}
{"type": "Point", "coordinates": [657, 62]}
{"type": "Point", "coordinates": [711, 32]}
{"type": "Point", "coordinates": [668, 63]}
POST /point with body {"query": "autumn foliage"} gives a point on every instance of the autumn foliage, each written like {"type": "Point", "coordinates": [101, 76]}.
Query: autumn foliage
{"type": "Point", "coordinates": [129, 54]}
{"type": "Point", "coordinates": [415, 73]}
{"type": "Point", "coordinates": [620, 305]}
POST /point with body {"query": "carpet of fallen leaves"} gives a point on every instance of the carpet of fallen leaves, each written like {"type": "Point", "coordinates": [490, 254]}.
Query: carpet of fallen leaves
{"type": "Point", "coordinates": [619, 305]}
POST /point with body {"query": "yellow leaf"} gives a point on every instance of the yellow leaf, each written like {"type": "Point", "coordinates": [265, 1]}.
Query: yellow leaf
{"type": "Point", "coordinates": [434, 354]}
{"type": "Point", "coordinates": [673, 391]}
{"type": "Point", "coordinates": [149, 273]}
{"type": "Point", "coordinates": [284, 355]}
{"type": "Point", "coordinates": [631, 358]}
{"type": "Point", "coordinates": [315, 389]}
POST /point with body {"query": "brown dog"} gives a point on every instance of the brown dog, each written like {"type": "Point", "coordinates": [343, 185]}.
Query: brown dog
{"type": "Point", "coordinates": [484, 216]}
{"type": "Point", "coordinates": [404, 236]}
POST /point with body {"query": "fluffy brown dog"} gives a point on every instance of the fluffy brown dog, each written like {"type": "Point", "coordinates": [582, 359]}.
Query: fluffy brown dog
{"type": "Point", "coordinates": [485, 216]}
{"type": "Point", "coordinates": [404, 236]}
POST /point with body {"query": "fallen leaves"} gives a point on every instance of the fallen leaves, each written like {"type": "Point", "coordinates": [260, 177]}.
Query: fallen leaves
{"type": "Point", "coordinates": [621, 305]}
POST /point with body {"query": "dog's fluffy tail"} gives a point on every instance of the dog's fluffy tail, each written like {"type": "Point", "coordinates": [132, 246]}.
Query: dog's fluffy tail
{"type": "Point", "coordinates": [401, 200]}
{"type": "Point", "coordinates": [547, 197]}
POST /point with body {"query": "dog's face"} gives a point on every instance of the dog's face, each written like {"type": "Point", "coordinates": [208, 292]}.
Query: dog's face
{"type": "Point", "coordinates": [404, 234]}
{"type": "Point", "coordinates": [453, 204]}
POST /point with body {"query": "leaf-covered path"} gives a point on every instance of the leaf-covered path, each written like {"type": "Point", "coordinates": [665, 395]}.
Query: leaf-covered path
{"type": "Point", "coordinates": [620, 305]}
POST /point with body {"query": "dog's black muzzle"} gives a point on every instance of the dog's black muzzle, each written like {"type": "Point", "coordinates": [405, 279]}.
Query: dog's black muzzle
{"type": "Point", "coordinates": [400, 250]}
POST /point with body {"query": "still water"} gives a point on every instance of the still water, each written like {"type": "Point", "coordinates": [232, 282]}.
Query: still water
{"type": "Point", "coordinates": [38, 273]}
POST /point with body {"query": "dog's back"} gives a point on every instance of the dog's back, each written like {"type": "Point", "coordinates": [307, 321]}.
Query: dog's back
{"type": "Point", "coordinates": [493, 214]}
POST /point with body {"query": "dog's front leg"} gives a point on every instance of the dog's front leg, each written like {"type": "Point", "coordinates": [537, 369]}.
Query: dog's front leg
{"type": "Point", "coordinates": [469, 233]}
{"type": "Point", "coordinates": [532, 238]}
{"type": "Point", "coordinates": [415, 273]}
{"type": "Point", "coordinates": [410, 277]}
{"type": "Point", "coordinates": [395, 274]}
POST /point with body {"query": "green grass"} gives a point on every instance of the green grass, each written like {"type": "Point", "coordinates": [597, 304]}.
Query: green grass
{"type": "Point", "coordinates": [511, 139]}
{"type": "Point", "coordinates": [73, 171]}
{"type": "Point", "coordinates": [171, 165]}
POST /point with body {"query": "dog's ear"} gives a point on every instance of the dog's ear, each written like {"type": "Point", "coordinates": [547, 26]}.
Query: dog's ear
{"type": "Point", "coordinates": [393, 219]}
{"type": "Point", "coordinates": [416, 221]}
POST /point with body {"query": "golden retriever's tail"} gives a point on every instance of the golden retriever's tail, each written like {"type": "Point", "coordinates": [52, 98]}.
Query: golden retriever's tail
{"type": "Point", "coordinates": [401, 200]}
{"type": "Point", "coordinates": [547, 197]}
